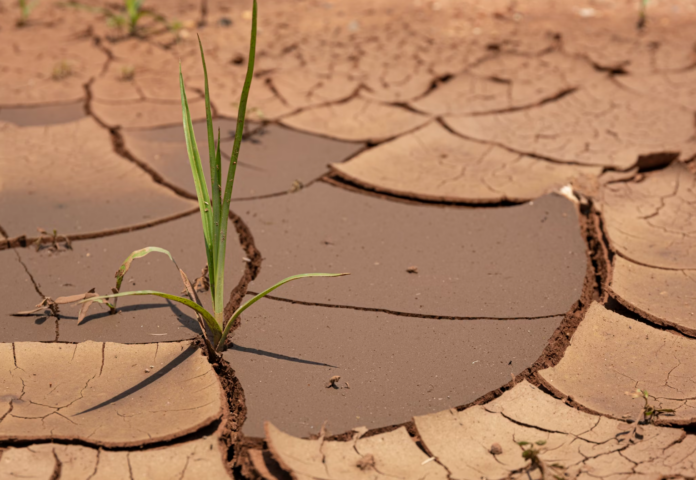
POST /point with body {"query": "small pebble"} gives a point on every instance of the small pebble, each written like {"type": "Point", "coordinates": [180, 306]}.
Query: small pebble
{"type": "Point", "coordinates": [332, 381]}
{"type": "Point", "coordinates": [496, 449]}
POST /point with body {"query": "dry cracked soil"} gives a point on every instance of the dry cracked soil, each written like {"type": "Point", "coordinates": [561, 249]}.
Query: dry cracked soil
{"type": "Point", "coordinates": [512, 186]}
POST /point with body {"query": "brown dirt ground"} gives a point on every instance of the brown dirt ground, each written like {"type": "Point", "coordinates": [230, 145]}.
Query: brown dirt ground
{"type": "Point", "coordinates": [511, 185]}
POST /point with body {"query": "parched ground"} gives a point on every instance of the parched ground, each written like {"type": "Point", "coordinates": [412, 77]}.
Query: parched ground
{"type": "Point", "coordinates": [512, 186]}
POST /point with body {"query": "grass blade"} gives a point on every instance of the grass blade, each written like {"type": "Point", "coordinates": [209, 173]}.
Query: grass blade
{"type": "Point", "coordinates": [229, 184]}
{"type": "Point", "coordinates": [209, 319]}
{"type": "Point", "coordinates": [258, 297]}
{"type": "Point", "coordinates": [125, 266]}
{"type": "Point", "coordinates": [120, 274]}
{"type": "Point", "coordinates": [214, 178]}
{"type": "Point", "coordinates": [199, 181]}
{"type": "Point", "coordinates": [85, 306]}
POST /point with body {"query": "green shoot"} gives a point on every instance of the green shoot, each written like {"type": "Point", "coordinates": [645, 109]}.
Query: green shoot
{"type": "Point", "coordinates": [54, 246]}
{"type": "Point", "coordinates": [214, 205]}
{"type": "Point", "coordinates": [642, 16]}
{"type": "Point", "coordinates": [532, 452]}
{"type": "Point", "coordinates": [61, 71]}
{"type": "Point", "coordinates": [129, 16]}
{"type": "Point", "coordinates": [646, 416]}
{"type": "Point", "coordinates": [25, 8]}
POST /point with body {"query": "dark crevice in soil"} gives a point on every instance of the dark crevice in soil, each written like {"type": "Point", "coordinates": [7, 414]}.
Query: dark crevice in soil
{"type": "Point", "coordinates": [398, 314]}
{"type": "Point", "coordinates": [58, 468]}
{"type": "Point", "coordinates": [203, 21]}
{"type": "Point", "coordinates": [252, 268]}
{"type": "Point", "coordinates": [203, 432]}
{"type": "Point", "coordinates": [617, 305]}
{"type": "Point", "coordinates": [31, 277]}
{"type": "Point", "coordinates": [600, 253]}
{"type": "Point", "coordinates": [23, 241]}
{"type": "Point", "coordinates": [554, 98]}
{"type": "Point", "coordinates": [269, 83]}
{"type": "Point", "coordinates": [235, 411]}
{"type": "Point", "coordinates": [656, 161]}
{"type": "Point", "coordinates": [505, 147]}
{"type": "Point", "coordinates": [99, 43]}
{"type": "Point", "coordinates": [355, 93]}
{"type": "Point", "coordinates": [120, 149]}
{"type": "Point", "coordinates": [340, 182]}
{"type": "Point", "coordinates": [130, 467]}
{"type": "Point", "coordinates": [436, 82]}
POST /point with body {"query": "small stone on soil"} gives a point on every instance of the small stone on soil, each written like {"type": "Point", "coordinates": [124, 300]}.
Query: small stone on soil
{"type": "Point", "coordinates": [332, 381]}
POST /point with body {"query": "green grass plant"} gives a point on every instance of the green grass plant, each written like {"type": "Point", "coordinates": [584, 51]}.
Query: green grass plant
{"type": "Point", "coordinates": [25, 8]}
{"type": "Point", "coordinates": [214, 206]}
{"type": "Point", "coordinates": [642, 15]}
{"type": "Point", "coordinates": [531, 452]}
{"type": "Point", "coordinates": [127, 17]}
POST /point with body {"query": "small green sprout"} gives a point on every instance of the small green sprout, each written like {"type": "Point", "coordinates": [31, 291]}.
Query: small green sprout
{"type": "Point", "coordinates": [54, 246]}
{"type": "Point", "coordinates": [127, 73]}
{"type": "Point", "coordinates": [532, 452]}
{"type": "Point", "coordinates": [128, 17]}
{"type": "Point", "coordinates": [25, 9]}
{"type": "Point", "coordinates": [214, 208]}
{"type": "Point", "coordinates": [646, 416]}
{"type": "Point", "coordinates": [642, 16]}
{"type": "Point", "coordinates": [61, 71]}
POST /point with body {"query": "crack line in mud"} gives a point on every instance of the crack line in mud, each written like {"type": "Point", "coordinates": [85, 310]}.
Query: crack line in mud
{"type": "Point", "coordinates": [340, 181]}
{"type": "Point", "coordinates": [23, 241]}
{"type": "Point", "coordinates": [251, 268]}
{"type": "Point", "coordinates": [520, 152]}
{"type": "Point", "coordinates": [58, 466]}
{"type": "Point", "coordinates": [400, 314]}
{"type": "Point", "coordinates": [31, 277]}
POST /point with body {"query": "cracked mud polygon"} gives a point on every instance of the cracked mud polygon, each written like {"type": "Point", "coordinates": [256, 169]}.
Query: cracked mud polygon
{"type": "Point", "coordinates": [510, 184]}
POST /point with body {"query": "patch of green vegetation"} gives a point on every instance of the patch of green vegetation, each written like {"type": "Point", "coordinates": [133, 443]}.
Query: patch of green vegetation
{"type": "Point", "coordinates": [214, 207]}
{"type": "Point", "coordinates": [126, 17]}
{"type": "Point", "coordinates": [25, 9]}
{"type": "Point", "coordinates": [642, 16]}
{"type": "Point", "coordinates": [127, 73]}
{"type": "Point", "coordinates": [61, 70]}
{"type": "Point", "coordinates": [532, 452]}
{"type": "Point", "coordinates": [646, 416]}
{"type": "Point", "coordinates": [54, 238]}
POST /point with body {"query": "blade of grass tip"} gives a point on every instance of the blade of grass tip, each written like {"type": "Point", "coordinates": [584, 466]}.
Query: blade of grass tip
{"type": "Point", "coordinates": [85, 306]}
{"type": "Point", "coordinates": [220, 270]}
{"type": "Point", "coordinates": [258, 297]}
{"type": "Point", "coordinates": [125, 266]}
{"type": "Point", "coordinates": [121, 272]}
{"type": "Point", "coordinates": [219, 219]}
{"type": "Point", "coordinates": [209, 319]}
{"type": "Point", "coordinates": [214, 175]}
{"type": "Point", "coordinates": [198, 177]}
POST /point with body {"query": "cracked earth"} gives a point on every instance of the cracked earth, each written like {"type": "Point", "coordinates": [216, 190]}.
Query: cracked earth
{"type": "Point", "coordinates": [512, 186]}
